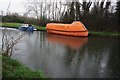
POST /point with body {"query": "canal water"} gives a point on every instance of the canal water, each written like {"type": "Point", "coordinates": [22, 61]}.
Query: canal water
{"type": "Point", "coordinates": [59, 56]}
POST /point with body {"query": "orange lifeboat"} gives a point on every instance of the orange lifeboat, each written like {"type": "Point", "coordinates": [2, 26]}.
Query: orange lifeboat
{"type": "Point", "coordinates": [74, 29]}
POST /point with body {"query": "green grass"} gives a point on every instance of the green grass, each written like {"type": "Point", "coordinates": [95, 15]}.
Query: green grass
{"type": "Point", "coordinates": [39, 28]}
{"type": "Point", "coordinates": [99, 33]}
{"type": "Point", "coordinates": [16, 25]}
{"type": "Point", "coordinates": [11, 68]}
{"type": "Point", "coordinates": [13, 25]}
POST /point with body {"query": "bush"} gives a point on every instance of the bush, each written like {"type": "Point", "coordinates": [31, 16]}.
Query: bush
{"type": "Point", "coordinates": [11, 68]}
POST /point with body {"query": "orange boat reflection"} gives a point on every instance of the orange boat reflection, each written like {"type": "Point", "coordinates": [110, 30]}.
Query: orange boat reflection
{"type": "Point", "coordinates": [73, 42]}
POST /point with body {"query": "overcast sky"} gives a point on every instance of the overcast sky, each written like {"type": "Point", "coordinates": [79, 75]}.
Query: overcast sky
{"type": "Point", "coordinates": [16, 6]}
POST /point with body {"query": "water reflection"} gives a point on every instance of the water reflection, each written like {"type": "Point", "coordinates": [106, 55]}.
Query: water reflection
{"type": "Point", "coordinates": [70, 57]}
{"type": "Point", "coordinates": [69, 41]}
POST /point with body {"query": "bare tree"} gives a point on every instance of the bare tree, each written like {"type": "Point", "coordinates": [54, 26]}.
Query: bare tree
{"type": "Point", "coordinates": [9, 40]}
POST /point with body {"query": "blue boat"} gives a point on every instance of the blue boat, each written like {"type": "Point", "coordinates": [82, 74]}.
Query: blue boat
{"type": "Point", "coordinates": [27, 27]}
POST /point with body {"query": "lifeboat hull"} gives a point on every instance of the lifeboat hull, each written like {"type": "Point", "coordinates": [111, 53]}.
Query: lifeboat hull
{"type": "Point", "coordinates": [71, 33]}
{"type": "Point", "coordinates": [74, 29]}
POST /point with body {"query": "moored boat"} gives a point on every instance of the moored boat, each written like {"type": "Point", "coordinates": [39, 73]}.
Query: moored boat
{"type": "Point", "coordinates": [75, 29]}
{"type": "Point", "coordinates": [27, 27]}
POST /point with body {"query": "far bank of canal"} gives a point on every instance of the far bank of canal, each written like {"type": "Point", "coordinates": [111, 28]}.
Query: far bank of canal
{"type": "Point", "coordinates": [42, 28]}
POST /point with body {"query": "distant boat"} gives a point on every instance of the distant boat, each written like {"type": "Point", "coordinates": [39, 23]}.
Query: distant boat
{"type": "Point", "coordinates": [75, 29]}
{"type": "Point", "coordinates": [27, 27]}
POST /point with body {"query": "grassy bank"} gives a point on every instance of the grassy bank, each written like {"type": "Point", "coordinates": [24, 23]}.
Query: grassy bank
{"type": "Point", "coordinates": [11, 68]}
{"type": "Point", "coordinates": [13, 25]}
{"type": "Point", "coordinates": [16, 25]}
{"type": "Point", "coordinates": [98, 33]}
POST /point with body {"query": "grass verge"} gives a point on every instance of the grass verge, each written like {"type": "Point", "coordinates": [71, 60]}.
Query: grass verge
{"type": "Point", "coordinates": [99, 33]}
{"type": "Point", "coordinates": [16, 25]}
{"type": "Point", "coordinates": [11, 68]}
{"type": "Point", "coordinates": [13, 25]}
